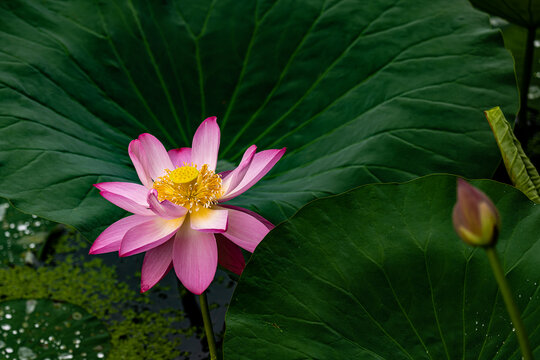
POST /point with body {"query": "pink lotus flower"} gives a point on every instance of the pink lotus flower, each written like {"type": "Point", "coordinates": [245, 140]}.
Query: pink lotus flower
{"type": "Point", "coordinates": [178, 214]}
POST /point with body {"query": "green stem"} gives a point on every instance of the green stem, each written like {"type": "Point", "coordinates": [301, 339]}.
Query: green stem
{"type": "Point", "coordinates": [208, 329]}
{"type": "Point", "coordinates": [511, 306]}
{"type": "Point", "coordinates": [527, 74]}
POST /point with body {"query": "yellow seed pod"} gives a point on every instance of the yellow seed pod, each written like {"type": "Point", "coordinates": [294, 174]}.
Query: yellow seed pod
{"type": "Point", "coordinates": [184, 174]}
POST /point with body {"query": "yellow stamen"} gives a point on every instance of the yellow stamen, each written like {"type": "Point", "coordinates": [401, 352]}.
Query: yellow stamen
{"type": "Point", "coordinates": [188, 187]}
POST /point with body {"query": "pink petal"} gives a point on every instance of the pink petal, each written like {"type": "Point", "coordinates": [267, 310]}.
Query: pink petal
{"type": "Point", "coordinates": [148, 235]}
{"type": "Point", "coordinates": [260, 165]}
{"type": "Point", "coordinates": [135, 192]}
{"type": "Point", "coordinates": [164, 209]}
{"type": "Point", "coordinates": [229, 255]}
{"type": "Point", "coordinates": [110, 239]}
{"type": "Point", "coordinates": [138, 157]}
{"type": "Point", "coordinates": [157, 262]}
{"type": "Point", "coordinates": [245, 230]}
{"type": "Point", "coordinates": [180, 156]}
{"type": "Point", "coordinates": [232, 178]}
{"type": "Point", "coordinates": [157, 157]}
{"type": "Point", "coordinates": [266, 223]}
{"type": "Point", "coordinates": [206, 144]}
{"type": "Point", "coordinates": [209, 220]}
{"type": "Point", "coordinates": [195, 259]}
{"type": "Point", "coordinates": [224, 174]}
{"type": "Point", "coordinates": [126, 204]}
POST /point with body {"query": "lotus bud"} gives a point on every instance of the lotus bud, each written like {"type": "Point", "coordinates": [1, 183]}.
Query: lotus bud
{"type": "Point", "coordinates": [476, 219]}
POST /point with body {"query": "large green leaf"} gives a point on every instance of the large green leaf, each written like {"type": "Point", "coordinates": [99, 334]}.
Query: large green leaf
{"type": "Point", "coordinates": [45, 329]}
{"type": "Point", "coordinates": [379, 273]}
{"type": "Point", "coordinates": [521, 171]}
{"type": "Point", "coordinates": [522, 12]}
{"type": "Point", "coordinates": [359, 92]}
{"type": "Point", "coordinates": [21, 236]}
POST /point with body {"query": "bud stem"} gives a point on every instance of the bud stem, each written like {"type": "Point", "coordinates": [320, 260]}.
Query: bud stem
{"type": "Point", "coordinates": [511, 306]}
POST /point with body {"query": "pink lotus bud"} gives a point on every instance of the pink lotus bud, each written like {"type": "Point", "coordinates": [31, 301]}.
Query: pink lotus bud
{"type": "Point", "coordinates": [476, 219]}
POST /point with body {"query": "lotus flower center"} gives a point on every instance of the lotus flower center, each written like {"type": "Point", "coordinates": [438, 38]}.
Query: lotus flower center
{"type": "Point", "coordinates": [188, 187]}
{"type": "Point", "coordinates": [184, 174]}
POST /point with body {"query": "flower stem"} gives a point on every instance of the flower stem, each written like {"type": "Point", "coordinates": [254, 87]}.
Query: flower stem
{"type": "Point", "coordinates": [208, 329]}
{"type": "Point", "coordinates": [511, 306]}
